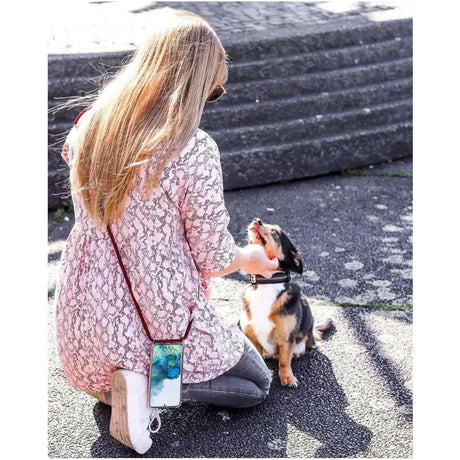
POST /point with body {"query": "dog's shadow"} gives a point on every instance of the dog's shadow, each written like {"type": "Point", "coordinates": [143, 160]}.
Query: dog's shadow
{"type": "Point", "coordinates": [316, 409]}
{"type": "Point", "coordinates": [313, 415]}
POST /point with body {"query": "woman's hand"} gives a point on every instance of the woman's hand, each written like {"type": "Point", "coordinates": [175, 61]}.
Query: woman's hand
{"type": "Point", "coordinates": [250, 259]}
{"type": "Point", "coordinates": [257, 262]}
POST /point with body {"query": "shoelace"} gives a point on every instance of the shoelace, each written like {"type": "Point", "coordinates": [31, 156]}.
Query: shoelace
{"type": "Point", "coordinates": [154, 416]}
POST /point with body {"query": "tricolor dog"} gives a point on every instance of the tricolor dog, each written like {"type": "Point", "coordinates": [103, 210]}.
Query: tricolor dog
{"type": "Point", "coordinates": [276, 316]}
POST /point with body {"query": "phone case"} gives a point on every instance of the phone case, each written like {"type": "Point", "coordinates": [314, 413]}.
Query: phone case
{"type": "Point", "coordinates": [165, 377]}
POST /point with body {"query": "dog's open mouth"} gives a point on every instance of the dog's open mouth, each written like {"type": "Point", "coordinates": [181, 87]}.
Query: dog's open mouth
{"type": "Point", "coordinates": [257, 236]}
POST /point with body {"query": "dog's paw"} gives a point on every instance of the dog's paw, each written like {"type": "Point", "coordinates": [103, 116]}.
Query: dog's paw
{"type": "Point", "coordinates": [289, 380]}
{"type": "Point", "coordinates": [270, 356]}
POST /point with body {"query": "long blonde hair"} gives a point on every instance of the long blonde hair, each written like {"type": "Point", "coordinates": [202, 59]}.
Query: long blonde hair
{"type": "Point", "coordinates": [152, 107]}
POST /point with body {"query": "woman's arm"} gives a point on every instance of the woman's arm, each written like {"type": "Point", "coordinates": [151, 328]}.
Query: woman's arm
{"type": "Point", "coordinates": [206, 218]}
{"type": "Point", "coordinates": [249, 259]}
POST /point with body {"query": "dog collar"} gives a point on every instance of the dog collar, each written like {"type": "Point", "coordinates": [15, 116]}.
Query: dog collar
{"type": "Point", "coordinates": [278, 277]}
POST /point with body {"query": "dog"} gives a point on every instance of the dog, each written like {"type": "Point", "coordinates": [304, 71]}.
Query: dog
{"type": "Point", "coordinates": [276, 316]}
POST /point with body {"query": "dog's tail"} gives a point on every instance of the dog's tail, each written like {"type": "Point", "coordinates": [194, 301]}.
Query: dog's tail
{"type": "Point", "coordinates": [318, 331]}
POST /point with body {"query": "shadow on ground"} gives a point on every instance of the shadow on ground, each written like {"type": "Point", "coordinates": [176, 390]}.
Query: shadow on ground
{"type": "Point", "coordinates": [383, 364]}
{"type": "Point", "coordinates": [276, 423]}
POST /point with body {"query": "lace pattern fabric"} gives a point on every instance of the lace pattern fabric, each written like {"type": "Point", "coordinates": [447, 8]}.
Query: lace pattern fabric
{"type": "Point", "coordinates": [166, 243]}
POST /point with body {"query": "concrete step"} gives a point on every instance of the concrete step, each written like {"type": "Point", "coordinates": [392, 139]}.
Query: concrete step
{"type": "Point", "coordinates": [57, 133]}
{"type": "Point", "coordinates": [252, 46]}
{"type": "Point", "coordinates": [324, 60]}
{"type": "Point", "coordinates": [313, 157]}
{"type": "Point", "coordinates": [222, 115]}
{"type": "Point", "coordinates": [80, 83]}
{"type": "Point", "coordinates": [274, 87]}
{"type": "Point", "coordinates": [274, 121]}
{"type": "Point", "coordinates": [281, 43]}
{"type": "Point", "coordinates": [58, 187]}
{"type": "Point", "coordinates": [88, 64]}
{"type": "Point", "coordinates": [65, 116]}
{"type": "Point", "coordinates": [250, 114]}
{"type": "Point", "coordinates": [304, 84]}
{"type": "Point", "coordinates": [290, 160]}
{"type": "Point", "coordinates": [229, 139]}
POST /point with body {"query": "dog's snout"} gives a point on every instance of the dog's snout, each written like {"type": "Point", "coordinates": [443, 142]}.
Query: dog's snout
{"type": "Point", "coordinates": [258, 221]}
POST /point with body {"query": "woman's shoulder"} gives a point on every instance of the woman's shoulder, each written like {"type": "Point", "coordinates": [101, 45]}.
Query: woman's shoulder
{"type": "Point", "coordinates": [203, 135]}
{"type": "Point", "coordinates": [199, 144]}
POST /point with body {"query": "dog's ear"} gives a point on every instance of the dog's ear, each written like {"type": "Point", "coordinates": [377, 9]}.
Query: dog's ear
{"type": "Point", "coordinates": [297, 261]}
{"type": "Point", "coordinates": [292, 260]}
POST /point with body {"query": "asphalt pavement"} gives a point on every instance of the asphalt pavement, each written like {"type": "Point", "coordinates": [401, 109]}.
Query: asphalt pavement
{"type": "Point", "coordinates": [354, 232]}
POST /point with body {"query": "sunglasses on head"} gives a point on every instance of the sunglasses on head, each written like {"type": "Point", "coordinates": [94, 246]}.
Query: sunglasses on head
{"type": "Point", "coordinates": [216, 94]}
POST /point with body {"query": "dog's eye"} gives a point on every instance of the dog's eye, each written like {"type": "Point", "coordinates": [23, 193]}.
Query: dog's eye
{"type": "Point", "coordinates": [274, 233]}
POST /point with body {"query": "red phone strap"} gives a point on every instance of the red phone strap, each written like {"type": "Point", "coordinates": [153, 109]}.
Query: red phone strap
{"type": "Point", "coordinates": [139, 311]}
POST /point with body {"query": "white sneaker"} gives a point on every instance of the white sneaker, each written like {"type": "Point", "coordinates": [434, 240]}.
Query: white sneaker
{"type": "Point", "coordinates": [130, 410]}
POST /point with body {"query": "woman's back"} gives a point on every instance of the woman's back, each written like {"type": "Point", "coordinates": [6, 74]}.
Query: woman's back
{"type": "Point", "coordinates": [165, 241]}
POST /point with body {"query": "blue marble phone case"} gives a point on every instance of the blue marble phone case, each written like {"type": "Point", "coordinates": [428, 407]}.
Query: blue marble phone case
{"type": "Point", "coordinates": [165, 381]}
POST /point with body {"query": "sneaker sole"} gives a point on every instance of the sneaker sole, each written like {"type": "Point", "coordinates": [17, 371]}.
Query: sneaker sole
{"type": "Point", "coordinates": [119, 418]}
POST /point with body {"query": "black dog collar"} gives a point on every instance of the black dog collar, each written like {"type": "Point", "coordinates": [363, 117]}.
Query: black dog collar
{"type": "Point", "coordinates": [278, 277]}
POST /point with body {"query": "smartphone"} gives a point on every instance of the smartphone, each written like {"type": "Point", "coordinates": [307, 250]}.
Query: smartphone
{"type": "Point", "coordinates": [165, 381]}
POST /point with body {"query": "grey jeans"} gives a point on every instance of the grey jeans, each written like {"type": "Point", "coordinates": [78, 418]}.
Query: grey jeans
{"type": "Point", "coordinates": [244, 385]}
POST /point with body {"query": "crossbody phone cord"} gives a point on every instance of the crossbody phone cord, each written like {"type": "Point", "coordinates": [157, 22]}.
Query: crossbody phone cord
{"type": "Point", "coordinates": [155, 414]}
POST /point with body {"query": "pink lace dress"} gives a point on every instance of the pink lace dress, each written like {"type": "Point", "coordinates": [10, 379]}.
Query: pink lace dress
{"type": "Point", "coordinates": [165, 243]}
